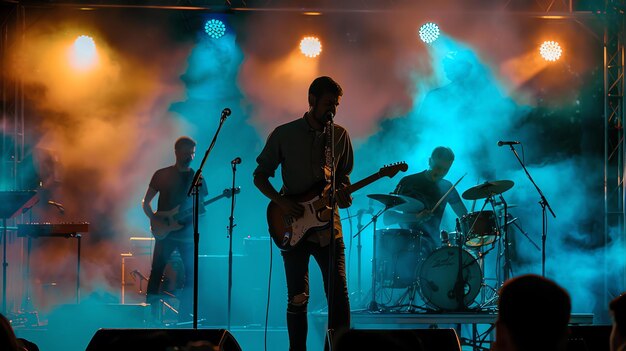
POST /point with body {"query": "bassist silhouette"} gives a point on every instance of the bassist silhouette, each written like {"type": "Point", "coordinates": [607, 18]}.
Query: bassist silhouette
{"type": "Point", "coordinates": [171, 184]}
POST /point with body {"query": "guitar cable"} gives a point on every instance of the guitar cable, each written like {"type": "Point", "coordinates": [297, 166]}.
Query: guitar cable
{"type": "Point", "coordinates": [269, 285]}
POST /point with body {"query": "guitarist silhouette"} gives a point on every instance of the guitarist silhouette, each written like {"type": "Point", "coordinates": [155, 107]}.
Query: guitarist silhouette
{"type": "Point", "coordinates": [300, 148]}
{"type": "Point", "coordinates": [171, 184]}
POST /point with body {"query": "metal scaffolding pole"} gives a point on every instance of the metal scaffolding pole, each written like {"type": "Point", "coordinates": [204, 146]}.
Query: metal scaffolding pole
{"type": "Point", "coordinates": [614, 186]}
{"type": "Point", "coordinates": [12, 148]}
{"type": "Point", "coordinates": [12, 25]}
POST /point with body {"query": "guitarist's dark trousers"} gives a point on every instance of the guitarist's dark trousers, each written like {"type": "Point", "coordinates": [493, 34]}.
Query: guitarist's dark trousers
{"type": "Point", "coordinates": [162, 251]}
{"type": "Point", "coordinates": [297, 273]}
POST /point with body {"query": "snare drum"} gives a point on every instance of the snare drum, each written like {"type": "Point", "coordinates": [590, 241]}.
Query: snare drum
{"type": "Point", "coordinates": [438, 274]}
{"type": "Point", "coordinates": [479, 228]}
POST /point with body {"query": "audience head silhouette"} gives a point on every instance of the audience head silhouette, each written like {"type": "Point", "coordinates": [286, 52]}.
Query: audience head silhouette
{"type": "Point", "coordinates": [618, 333]}
{"type": "Point", "coordinates": [533, 315]}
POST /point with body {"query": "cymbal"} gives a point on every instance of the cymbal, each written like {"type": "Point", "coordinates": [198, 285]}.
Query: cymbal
{"type": "Point", "coordinates": [411, 205]}
{"type": "Point", "coordinates": [398, 202]}
{"type": "Point", "coordinates": [487, 189]}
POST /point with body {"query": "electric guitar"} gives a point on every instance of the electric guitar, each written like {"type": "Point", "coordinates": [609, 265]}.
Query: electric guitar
{"type": "Point", "coordinates": [287, 232]}
{"type": "Point", "coordinates": [169, 221]}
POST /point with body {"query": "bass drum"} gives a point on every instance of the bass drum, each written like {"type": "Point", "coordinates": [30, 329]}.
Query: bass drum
{"type": "Point", "coordinates": [438, 275]}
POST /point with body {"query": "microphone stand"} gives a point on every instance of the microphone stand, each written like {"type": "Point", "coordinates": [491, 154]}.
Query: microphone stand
{"type": "Point", "coordinates": [544, 216]}
{"type": "Point", "coordinates": [508, 269]}
{"type": "Point", "coordinates": [330, 125]}
{"type": "Point", "coordinates": [231, 225]}
{"type": "Point", "coordinates": [194, 190]}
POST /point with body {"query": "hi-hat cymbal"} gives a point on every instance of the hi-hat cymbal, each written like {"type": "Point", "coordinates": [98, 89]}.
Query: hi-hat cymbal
{"type": "Point", "coordinates": [398, 202]}
{"type": "Point", "coordinates": [487, 189]}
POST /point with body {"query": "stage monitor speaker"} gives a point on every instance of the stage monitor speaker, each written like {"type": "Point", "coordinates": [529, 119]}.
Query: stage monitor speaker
{"type": "Point", "coordinates": [160, 339]}
{"type": "Point", "coordinates": [398, 340]}
{"type": "Point", "coordinates": [589, 338]}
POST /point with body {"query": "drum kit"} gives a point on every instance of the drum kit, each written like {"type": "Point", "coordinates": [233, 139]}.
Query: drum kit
{"type": "Point", "coordinates": [449, 277]}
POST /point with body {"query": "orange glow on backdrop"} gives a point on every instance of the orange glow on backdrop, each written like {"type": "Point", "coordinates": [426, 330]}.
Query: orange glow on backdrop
{"type": "Point", "coordinates": [111, 127]}
{"type": "Point", "coordinates": [521, 69]}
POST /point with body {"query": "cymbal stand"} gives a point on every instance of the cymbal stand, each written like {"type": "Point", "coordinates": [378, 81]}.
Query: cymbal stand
{"type": "Point", "coordinates": [459, 284]}
{"type": "Point", "coordinates": [503, 248]}
{"type": "Point", "coordinates": [508, 269]}
{"type": "Point", "coordinates": [359, 247]}
{"type": "Point", "coordinates": [521, 230]}
{"type": "Point", "coordinates": [493, 299]}
{"type": "Point", "coordinates": [489, 302]}
{"type": "Point", "coordinates": [373, 305]}
{"type": "Point", "coordinates": [481, 254]}
{"type": "Point", "coordinates": [482, 209]}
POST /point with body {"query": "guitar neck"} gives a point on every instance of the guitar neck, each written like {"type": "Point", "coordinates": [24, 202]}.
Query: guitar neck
{"type": "Point", "coordinates": [227, 193]}
{"type": "Point", "coordinates": [187, 212]}
{"type": "Point", "coordinates": [324, 200]}
{"type": "Point", "coordinates": [212, 200]}
{"type": "Point", "coordinates": [363, 182]}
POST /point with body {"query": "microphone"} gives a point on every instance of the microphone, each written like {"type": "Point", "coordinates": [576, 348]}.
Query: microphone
{"type": "Point", "coordinates": [225, 112]}
{"type": "Point", "coordinates": [500, 143]}
{"type": "Point", "coordinates": [329, 116]}
{"type": "Point", "coordinates": [236, 161]}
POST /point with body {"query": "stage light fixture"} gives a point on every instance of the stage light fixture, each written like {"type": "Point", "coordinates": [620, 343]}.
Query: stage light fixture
{"type": "Point", "coordinates": [215, 28]}
{"type": "Point", "coordinates": [310, 46]}
{"type": "Point", "coordinates": [83, 53]}
{"type": "Point", "coordinates": [550, 50]}
{"type": "Point", "coordinates": [429, 32]}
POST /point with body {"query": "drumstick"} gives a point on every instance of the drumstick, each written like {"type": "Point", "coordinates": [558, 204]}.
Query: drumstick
{"type": "Point", "coordinates": [447, 192]}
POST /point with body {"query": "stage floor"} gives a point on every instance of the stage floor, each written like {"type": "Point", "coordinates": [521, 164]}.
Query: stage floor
{"type": "Point", "coordinates": [371, 320]}
{"type": "Point", "coordinates": [73, 332]}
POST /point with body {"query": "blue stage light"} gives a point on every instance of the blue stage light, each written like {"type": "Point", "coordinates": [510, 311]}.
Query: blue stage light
{"type": "Point", "coordinates": [215, 28]}
{"type": "Point", "coordinates": [429, 32]}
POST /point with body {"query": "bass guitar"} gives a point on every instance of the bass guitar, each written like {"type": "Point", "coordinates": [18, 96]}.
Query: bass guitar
{"type": "Point", "coordinates": [287, 232]}
{"type": "Point", "coordinates": [169, 221]}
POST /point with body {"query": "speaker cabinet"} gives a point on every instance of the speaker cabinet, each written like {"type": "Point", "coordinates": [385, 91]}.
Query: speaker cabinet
{"type": "Point", "coordinates": [589, 338]}
{"type": "Point", "coordinates": [398, 340]}
{"type": "Point", "coordinates": [160, 339]}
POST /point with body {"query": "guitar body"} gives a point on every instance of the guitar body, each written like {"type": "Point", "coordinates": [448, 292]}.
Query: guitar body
{"type": "Point", "coordinates": [288, 232]}
{"type": "Point", "coordinates": [165, 223]}
{"type": "Point", "coordinates": [169, 221]}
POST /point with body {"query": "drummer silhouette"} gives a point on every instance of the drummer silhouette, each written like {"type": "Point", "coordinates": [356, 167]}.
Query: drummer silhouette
{"type": "Point", "coordinates": [428, 188]}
